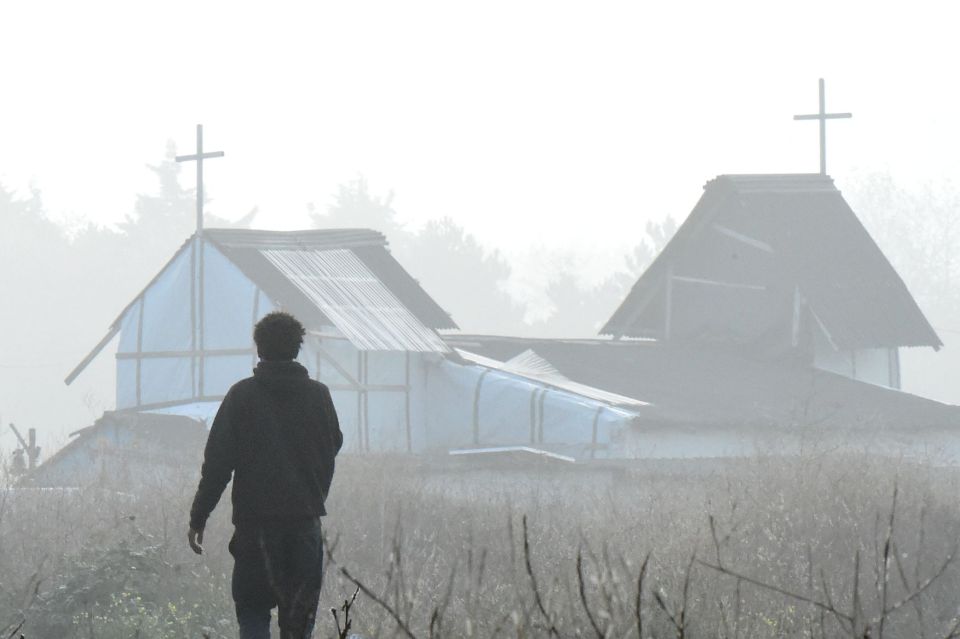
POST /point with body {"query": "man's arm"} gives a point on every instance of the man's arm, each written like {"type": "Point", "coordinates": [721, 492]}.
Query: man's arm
{"type": "Point", "coordinates": [333, 422]}
{"type": "Point", "coordinates": [333, 440]}
{"type": "Point", "coordinates": [219, 461]}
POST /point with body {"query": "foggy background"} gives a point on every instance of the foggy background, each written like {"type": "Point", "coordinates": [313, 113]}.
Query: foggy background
{"type": "Point", "coordinates": [526, 160]}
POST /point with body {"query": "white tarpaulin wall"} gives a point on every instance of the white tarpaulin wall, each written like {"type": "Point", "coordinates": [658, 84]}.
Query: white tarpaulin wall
{"type": "Point", "coordinates": [474, 406]}
{"type": "Point", "coordinates": [156, 361]}
{"type": "Point", "coordinates": [379, 395]}
{"type": "Point", "coordinates": [388, 401]}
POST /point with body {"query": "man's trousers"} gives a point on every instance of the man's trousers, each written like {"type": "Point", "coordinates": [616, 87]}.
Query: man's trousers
{"type": "Point", "coordinates": [277, 564]}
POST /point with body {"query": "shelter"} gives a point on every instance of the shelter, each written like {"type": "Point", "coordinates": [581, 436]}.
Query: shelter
{"type": "Point", "coordinates": [132, 448]}
{"type": "Point", "coordinates": [372, 337]}
{"type": "Point", "coordinates": [188, 336]}
{"type": "Point", "coordinates": [780, 266]}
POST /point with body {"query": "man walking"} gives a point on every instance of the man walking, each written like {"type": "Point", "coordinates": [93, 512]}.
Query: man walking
{"type": "Point", "coordinates": [277, 433]}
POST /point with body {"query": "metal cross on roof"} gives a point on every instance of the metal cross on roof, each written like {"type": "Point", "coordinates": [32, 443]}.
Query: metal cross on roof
{"type": "Point", "coordinates": [823, 116]}
{"type": "Point", "coordinates": [199, 156]}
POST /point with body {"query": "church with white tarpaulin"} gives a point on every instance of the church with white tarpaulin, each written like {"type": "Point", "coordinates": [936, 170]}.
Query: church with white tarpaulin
{"type": "Point", "coordinates": [771, 317]}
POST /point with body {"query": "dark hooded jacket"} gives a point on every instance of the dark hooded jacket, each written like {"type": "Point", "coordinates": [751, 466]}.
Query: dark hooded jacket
{"type": "Point", "coordinates": [277, 433]}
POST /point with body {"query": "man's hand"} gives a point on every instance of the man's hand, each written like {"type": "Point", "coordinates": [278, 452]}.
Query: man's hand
{"type": "Point", "coordinates": [195, 537]}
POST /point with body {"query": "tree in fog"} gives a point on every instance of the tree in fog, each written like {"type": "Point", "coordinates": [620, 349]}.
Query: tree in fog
{"type": "Point", "coordinates": [465, 279]}
{"type": "Point", "coordinates": [644, 252]}
{"type": "Point", "coordinates": [161, 221]}
{"type": "Point", "coordinates": [354, 206]}
{"type": "Point", "coordinates": [919, 232]}
{"type": "Point", "coordinates": [470, 281]}
{"type": "Point", "coordinates": [450, 264]}
{"type": "Point", "coordinates": [579, 309]}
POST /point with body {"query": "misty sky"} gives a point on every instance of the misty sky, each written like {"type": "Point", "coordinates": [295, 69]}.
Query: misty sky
{"type": "Point", "coordinates": [517, 119]}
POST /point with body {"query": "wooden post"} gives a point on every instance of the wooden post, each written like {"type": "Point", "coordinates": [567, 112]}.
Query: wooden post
{"type": "Point", "coordinates": [668, 304]}
{"type": "Point", "coordinates": [593, 440]}
{"type": "Point", "coordinates": [533, 415]}
{"type": "Point", "coordinates": [140, 349]}
{"type": "Point", "coordinates": [406, 406]}
{"type": "Point", "coordinates": [30, 446]}
{"type": "Point", "coordinates": [797, 307]}
{"type": "Point", "coordinates": [476, 407]}
{"type": "Point", "coordinates": [366, 401]}
{"type": "Point", "coordinates": [359, 401]}
{"type": "Point", "coordinates": [193, 317]}
{"type": "Point", "coordinates": [33, 451]}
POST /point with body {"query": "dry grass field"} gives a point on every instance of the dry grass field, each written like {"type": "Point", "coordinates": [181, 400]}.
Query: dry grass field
{"type": "Point", "coordinates": [816, 546]}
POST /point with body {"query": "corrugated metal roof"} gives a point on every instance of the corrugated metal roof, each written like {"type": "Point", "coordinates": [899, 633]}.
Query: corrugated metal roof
{"type": "Point", "coordinates": [771, 234]}
{"type": "Point", "coordinates": [243, 246]}
{"type": "Point", "coordinates": [338, 283]}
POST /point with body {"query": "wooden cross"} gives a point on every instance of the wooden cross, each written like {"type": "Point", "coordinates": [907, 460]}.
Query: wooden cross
{"type": "Point", "coordinates": [197, 267]}
{"type": "Point", "coordinates": [823, 116]}
{"type": "Point", "coordinates": [199, 156]}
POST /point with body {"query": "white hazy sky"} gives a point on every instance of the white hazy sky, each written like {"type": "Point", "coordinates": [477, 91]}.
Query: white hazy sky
{"type": "Point", "coordinates": [531, 123]}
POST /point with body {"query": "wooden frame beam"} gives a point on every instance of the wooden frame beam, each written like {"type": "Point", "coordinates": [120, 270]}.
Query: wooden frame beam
{"type": "Point", "coordinates": [219, 352]}
{"type": "Point", "coordinates": [699, 280]}
{"type": "Point", "coordinates": [740, 237]}
{"type": "Point", "coordinates": [91, 355]}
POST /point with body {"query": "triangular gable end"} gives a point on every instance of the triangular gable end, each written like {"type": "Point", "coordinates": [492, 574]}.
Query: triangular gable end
{"type": "Point", "coordinates": [760, 260]}
{"type": "Point", "coordinates": [165, 359]}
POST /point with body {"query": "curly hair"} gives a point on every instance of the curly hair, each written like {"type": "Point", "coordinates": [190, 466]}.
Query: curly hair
{"type": "Point", "coordinates": [278, 336]}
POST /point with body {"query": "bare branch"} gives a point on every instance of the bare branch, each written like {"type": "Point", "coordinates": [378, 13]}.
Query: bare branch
{"type": "Point", "coordinates": [583, 596]}
{"type": "Point", "coordinates": [922, 587]}
{"type": "Point", "coordinates": [793, 595]}
{"type": "Point", "coordinates": [658, 597]}
{"type": "Point", "coordinates": [369, 593]}
{"type": "Point", "coordinates": [343, 633]}
{"type": "Point", "coordinates": [885, 572]}
{"type": "Point", "coordinates": [552, 629]}
{"type": "Point", "coordinates": [639, 609]}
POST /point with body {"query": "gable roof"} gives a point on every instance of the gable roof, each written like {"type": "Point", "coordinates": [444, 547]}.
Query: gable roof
{"type": "Point", "coordinates": [248, 250]}
{"type": "Point", "coordinates": [341, 277]}
{"type": "Point", "coordinates": [760, 238]}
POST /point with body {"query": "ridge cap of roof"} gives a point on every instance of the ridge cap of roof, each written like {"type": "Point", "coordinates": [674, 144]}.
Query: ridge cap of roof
{"type": "Point", "coordinates": [774, 182]}
{"type": "Point", "coordinates": [305, 238]}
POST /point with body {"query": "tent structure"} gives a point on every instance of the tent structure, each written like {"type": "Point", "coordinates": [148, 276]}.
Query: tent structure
{"type": "Point", "coordinates": [780, 266]}
{"type": "Point", "coordinates": [373, 336]}
{"type": "Point", "coordinates": [187, 337]}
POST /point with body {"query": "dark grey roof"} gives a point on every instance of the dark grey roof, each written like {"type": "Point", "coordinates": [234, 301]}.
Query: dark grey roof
{"type": "Point", "coordinates": [712, 385]}
{"type": "Point", "coordinates": [774, 233]}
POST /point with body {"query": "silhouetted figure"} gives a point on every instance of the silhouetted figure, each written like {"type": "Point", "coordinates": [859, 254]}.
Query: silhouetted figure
{"type": "Point", "coordinates": [277, 433]}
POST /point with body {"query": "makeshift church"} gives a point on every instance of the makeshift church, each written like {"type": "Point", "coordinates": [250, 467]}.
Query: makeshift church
{"type": "Point", "coordinates": [780, 266]}
{"type": "Point", "coordinates": [373, 336]}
